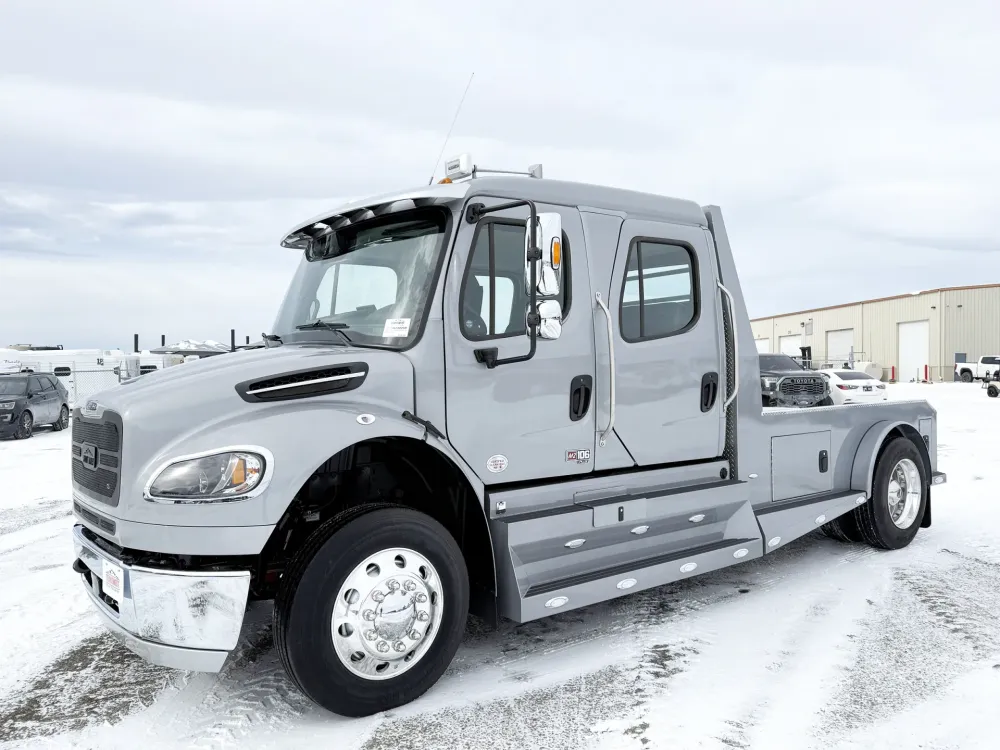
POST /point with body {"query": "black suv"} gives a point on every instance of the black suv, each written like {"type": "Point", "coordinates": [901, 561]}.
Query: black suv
{"type": "Point", "coordinates": [784, 382]}
{"type": "Point", "coordinates": [29, 399]}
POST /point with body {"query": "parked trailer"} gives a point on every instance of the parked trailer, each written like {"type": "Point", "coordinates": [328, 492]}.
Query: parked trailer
{"type": "Point", "coordinates": [457, 413]}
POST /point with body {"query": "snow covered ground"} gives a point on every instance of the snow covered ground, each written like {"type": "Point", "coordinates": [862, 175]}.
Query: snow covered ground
{"type": "Point", "coordinates": [819, 645]}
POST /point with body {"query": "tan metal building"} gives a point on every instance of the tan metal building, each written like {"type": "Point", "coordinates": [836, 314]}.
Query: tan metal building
{"type": "Point", "coordinates": [911, 336]}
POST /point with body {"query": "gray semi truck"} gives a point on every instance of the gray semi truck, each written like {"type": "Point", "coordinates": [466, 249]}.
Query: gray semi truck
{"type": "Point", "coordinates": [501, 395]}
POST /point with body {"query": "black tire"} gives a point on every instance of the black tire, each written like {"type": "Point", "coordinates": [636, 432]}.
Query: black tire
{"type": "Point", "coordinates": [873, 519]}
{"type": "Point", "coordinates": [844, 529]}
{"type": "Point", "coordinates": [992, 391]}
{"type": "Point", "coordinates": [25, 426]}
{"type": "Point", "coordinates": [63, 422]}
{"type": "Point", "coordinates": [966, 376]}
{"type": "Point", "coordinates": [303, 607]}
{"type": "Point", "coordinates": [765, 401]}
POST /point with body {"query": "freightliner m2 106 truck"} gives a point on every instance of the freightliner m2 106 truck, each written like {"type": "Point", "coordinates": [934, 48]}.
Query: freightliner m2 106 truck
{"type": "Point", "coordinates": [499, 394]}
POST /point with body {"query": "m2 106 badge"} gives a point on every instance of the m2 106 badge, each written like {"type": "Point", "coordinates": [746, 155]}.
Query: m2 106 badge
{"type": "Point", "coordinates": [581, 456]}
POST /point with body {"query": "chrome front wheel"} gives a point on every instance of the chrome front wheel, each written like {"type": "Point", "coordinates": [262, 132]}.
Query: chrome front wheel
{"type": "Point", "coordinates": [361, 619]}
{"type": "Point", "coordinates": [387, 614]}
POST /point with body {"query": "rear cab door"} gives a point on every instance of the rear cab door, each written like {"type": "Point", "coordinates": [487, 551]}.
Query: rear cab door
{"type": "Point", "coordinates": [39, 402]}
{"type": "Point", "coordinates": [668, 344]}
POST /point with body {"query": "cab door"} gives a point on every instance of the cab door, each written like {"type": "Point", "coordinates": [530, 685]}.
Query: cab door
{"type": "Point", "coordinates": [668, 344]}
{"type": "Point", "coordinates": [526, 420]}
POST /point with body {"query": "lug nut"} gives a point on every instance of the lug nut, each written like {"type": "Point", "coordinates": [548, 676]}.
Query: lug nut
{"type": "Point", "coordinates": [414, 635]}
{"type": "Point", "coordinates": [421, 598]}
{"type": "Point", "coordinates": [423, 616]}
{"type": "Point", "coordinates": [382, 647]}
{"type": "Point", "coordinates": [371, 635]}
{"type": "Point", "coordinates": [400, 646]}
{"type": "Point", "coordinates": [378, 596]}
{"type": "Point", "coordinates": [410, 586]}
{"type": "Point", "coordinates": [369, 615]}
{"type": "Point", "coordinates": [392, 584]}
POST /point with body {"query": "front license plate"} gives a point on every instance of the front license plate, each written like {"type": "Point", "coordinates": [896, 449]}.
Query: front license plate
{"type": "Point", "coordinates": [113, 581]}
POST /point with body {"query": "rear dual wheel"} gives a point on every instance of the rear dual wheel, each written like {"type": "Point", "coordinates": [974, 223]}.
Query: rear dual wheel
{"type": "Point", "coordinates": [892, 516]}
{"type": "Point", "coordinates": [372, 610]}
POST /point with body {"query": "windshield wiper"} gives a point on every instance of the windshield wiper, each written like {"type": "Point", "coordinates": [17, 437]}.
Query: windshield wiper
{"type": "Point", "coordinates": [337, 328]}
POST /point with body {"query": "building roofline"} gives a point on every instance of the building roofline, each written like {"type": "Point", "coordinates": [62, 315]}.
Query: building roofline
{"type": "Point", "coordinates": [877, 299]}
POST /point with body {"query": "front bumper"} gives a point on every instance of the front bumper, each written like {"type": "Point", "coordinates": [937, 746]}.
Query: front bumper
{"type": "Point", "coordinates": [8, 422]}
{"type": "Point", "coordinates": [178, 619]}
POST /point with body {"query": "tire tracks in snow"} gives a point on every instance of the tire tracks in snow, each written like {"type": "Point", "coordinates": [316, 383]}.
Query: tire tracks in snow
{"type": "Point", "coordinates": [938, 622]}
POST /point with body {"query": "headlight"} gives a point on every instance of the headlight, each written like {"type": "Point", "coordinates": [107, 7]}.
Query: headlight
{"type": "Point", "coordinates": [7, 405]}
{"type": "Point", "coordinates": [769, 383]}
{"type": "Point", "coordinates": [215, 478]}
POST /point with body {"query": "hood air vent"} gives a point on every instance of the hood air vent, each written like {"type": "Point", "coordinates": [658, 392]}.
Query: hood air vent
{"type": "Point", "coordinates": [304, 383]}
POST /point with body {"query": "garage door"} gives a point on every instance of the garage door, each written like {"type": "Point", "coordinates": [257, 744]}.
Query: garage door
{"type": "Point", "coordinates": [763, 346]}
{"type": "Point", "coordinates": [790, 345]}
{"type": "Point", "coordinates": [839, 345]}
{"type": "Point", "coordinates": [914, 349]}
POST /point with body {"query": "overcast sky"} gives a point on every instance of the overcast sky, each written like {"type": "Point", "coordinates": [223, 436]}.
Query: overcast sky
{"type": "Point", "coordinates": [153, 153]}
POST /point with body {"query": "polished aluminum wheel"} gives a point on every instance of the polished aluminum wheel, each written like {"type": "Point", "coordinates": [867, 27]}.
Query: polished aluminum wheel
{"type": "Point", "coordinates": [387, 614]}
{"type": "Point", "coordinates": [904, 495]}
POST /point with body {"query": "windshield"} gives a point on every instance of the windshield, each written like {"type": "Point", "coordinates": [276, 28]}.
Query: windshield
{"type": "Point", "coordinates": [778, 362]}
{"type": "Point", "coordinates": [13, 386]}
{"type": "Point", "coordinates": [371, 283]}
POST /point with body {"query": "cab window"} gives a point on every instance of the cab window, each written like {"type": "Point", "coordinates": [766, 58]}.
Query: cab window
{"type": "Point", "coordinates": [659, 297]}
{"type": "Point", "coordinates": [493, 300]}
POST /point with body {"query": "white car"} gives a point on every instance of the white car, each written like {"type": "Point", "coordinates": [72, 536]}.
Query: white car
{"type": "Point", "coordinates": [854, 387]}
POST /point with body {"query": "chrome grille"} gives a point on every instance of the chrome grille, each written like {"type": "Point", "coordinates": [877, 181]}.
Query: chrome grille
{"type": "Point", "coordinates": [102, 481]}
{"type": "Point", "coordinates": [105, 436]}
{"type": "Point", "coordinates": [97, 520]}
{"type": "Point", "coordinates": [802, 386]}
{"type": "Point", "coordinates": [97, 456]}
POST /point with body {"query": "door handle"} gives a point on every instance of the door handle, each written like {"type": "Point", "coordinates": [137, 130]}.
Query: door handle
{"type": "Point", "coordinates": [709, 390]}
{"type": "Point", "coordinates": [579, 397]}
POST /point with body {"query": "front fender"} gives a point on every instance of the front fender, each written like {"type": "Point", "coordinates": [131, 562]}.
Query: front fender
{"type": "Point", "coordinates": [300, 436]}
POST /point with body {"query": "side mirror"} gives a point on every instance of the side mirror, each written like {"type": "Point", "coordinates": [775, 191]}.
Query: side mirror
{"type": "Point", "coordinates": [548, 270]}
{"type": "Point", "coordinates": [550, 324]}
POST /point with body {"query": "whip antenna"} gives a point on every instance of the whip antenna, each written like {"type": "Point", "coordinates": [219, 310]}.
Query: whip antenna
{"type": "Point", "coordinates": [448, 136]}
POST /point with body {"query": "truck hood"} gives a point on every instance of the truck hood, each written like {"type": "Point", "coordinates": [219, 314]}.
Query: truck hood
{"type": "Point", "coordinates": [188, 407]}
{"type": "Point", "coordinates": [210, 382]}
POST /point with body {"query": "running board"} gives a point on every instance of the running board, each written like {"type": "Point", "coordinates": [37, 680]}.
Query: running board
{"type": "Point", "coordinates": [583, 590]}
{"type": "Point", "coordinates": [785, 521]}
{"type": "Point", "coordinates": [588, 544]}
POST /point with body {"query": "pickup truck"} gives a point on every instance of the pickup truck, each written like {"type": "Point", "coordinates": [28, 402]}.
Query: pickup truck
{"type": "Point", "coordinates": [982, 369]}
{"type": "Point", "coordinates": [501, 395]}
{"type": "Point", "coordinates": [784, 382]}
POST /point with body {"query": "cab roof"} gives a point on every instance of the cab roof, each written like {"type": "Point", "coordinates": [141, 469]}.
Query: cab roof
{"type": "Point", "coordinates": [627, 203]}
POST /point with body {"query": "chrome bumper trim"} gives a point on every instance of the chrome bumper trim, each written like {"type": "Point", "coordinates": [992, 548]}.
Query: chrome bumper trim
{"type": "Point", "coordinates": [179, 619]}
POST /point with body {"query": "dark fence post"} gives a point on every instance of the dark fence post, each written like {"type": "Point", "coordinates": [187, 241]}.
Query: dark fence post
{"type": "Point", "coordinates": [136, 343]}
{"type": "Point", "coordinates": [163, 339]}
{"type": "Point", "coordinates": [232, 339]}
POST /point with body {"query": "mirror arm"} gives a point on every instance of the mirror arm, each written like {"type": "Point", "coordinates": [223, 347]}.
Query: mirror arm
{"type": "Point", "coordinates": [473, 214]}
